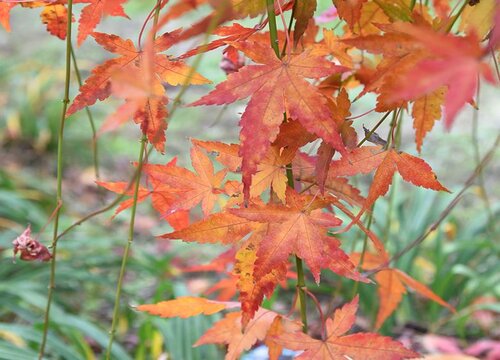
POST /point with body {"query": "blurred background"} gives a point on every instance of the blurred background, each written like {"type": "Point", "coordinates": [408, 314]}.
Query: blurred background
{"type": "Point", "coordinates": [459, 260]}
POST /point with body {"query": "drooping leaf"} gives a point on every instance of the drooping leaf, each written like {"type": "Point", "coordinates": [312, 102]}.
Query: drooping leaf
{"type": "Point", "coordinates": [425, 112]}
{"type": "Point", "coordinates": [56, 19]}
{"type": "Point", "coordinates": [252, 289]}
{"type": "Point", "coordinates": [338, 346]}
{"type": "Point", "coordinates": [186, 306]}
{"type": "Point", "coordinates": [92, 14]}
{"type": "Point", "coordinates": [284, 79]}
{"type": "Point", "coordinates": [411, 169]}
{"type": "Point", "coordinates": [145, 100]}
{"type": "Point", "coordinates": [304, 11]}
{"type": "Point", "coordinates": [391, 285]}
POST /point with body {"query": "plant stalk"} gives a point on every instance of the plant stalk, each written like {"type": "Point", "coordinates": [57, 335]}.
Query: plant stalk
{"type": "Point", "coordinates": [273, 29]}
{"type": "Point", "coordinates": [116, 308]}
{"type": "Point", "coordinates": [59, 201]}
{"type": "Point", "coordinates": [89, 116]}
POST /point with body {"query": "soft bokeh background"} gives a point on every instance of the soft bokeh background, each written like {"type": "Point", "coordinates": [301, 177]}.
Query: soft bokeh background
{"type": "Point", "coordinates": [459, 261]}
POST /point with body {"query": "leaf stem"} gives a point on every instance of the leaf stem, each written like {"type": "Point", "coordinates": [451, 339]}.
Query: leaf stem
{"type": "Point", "coordinates": [116, 308]}
{"type": "Point", "coordinates": [273, 30]}
{"type": "Point", "coordinates": [59, 201]}
{"type": "Point", "coordinates": [89, 116]}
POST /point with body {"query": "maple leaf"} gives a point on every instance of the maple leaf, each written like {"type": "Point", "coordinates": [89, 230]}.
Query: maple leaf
{"type": "Point", "coordinates": [123, 187]}
{"type": "Point", "coordinates": [92, 14]}
{"type": "Point", "coordinates": [56, 19]}
{"type": "Point", "coordinates": [235, 32]}
{"type": "Point", "coordinates": [229, 331]}
{"type": "Point", "coordinates": [392, 285]}
{"type": "Point", "coordinates": [186, 306]}
{"type": "Point", "coordinates": [425, 112]}
{"type": "Point", "coordinates": [276, 86]}
{"type": "Point", "coordinates": [5, 15]}
{"type": "Point", "coordinates": [349, 10]}
{"type": "Point", "coordinates": [303, 12]}
{"type": "Point", "coordinates": [299, 228]}
{"type": "Point", "coordinates": [304, 170]}
{"type": "Point", "coordinates": [222, 227]}
{"type": "Point", "coordinates": [226, 154]}
{"type": "Point", "coordinates": [455, 63]}
{"type": "Point", "coordinates": [411, 169]}
{"type": "Point", "coordinates": [202, 187]}
{"type": "Point", "coordinates": [146, 102]}
{"type": "Point", "coordinates": [253, 289]}
{"type": "Point", "coordinates": [337, 346]}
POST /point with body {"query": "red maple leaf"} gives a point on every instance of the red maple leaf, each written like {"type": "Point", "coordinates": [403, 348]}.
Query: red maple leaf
{"type": "Point", "coordinates": [299, 228]}
{"type": "Point", "coordinates": [203, 187]}
{"type": "Point", "coordinates": [275, 80]}
{"type": "Point", "coordinates": [92, 14]}
{"type": "Point", "coordinates": [338, 346]}
{"type": "Point", "coordinates": [456, 62]}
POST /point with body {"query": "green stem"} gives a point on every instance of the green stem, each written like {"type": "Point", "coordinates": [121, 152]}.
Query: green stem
{"type": "Point", "coordinates": [273, 30]}
{"type": "Point", "coordinates": [60, 138]}
{"type": "Point", "coordinates": [477, 159]}
{"type": "Point", "coordinates": [455, 18]}
{"type": "Point", "coordinates": [116, 308]}
{"type": "Point", "coordinates": [89, 116]}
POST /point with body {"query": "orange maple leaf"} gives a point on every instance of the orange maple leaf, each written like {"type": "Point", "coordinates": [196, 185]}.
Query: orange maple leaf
{"type": "Point", "coordinates": [275, 80]}
{"type": "Point", "coordinates": [392, 285]}
{"type": "Point", "coordinates": [230, 331]}
{"type": "Point", "coordinates": [455, 62]}
{"type": "Point", "coordinates": [337, 346]}
{"type": "Point", "coordinates": [412, 169]}
{"type": "Point", "coordinates": [202, 187]}
{"type": "Point", "coordinates": [222, 227]}
{"type": "Point", "coordinates": [92, 14]}
{"type": "Point", "coordinates": [145, 95]}
{"type": "Point", "coordinates": [186, 306]}
{"type": "Point", "coordinates": [299, 228]}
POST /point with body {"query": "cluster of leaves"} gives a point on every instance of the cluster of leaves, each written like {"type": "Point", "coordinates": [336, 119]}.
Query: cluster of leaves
{"type": "Point", "coordinates": [288, 200]}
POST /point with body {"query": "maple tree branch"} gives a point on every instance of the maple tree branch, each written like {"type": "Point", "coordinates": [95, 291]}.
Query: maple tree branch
{"type": "Point", "coordinates": [59, 200]}
{"type": "Point", "coordinates": [89, 116]}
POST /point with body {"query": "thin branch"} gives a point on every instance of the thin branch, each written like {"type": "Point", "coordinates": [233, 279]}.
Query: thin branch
{"type": "Point", "coordinates": [59, 201]}
{"type": "Point", "coordinates": [89, 116]}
